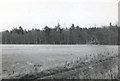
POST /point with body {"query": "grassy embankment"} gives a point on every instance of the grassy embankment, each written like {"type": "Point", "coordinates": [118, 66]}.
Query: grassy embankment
{"type": "Point", "coordinates": [97, 67]}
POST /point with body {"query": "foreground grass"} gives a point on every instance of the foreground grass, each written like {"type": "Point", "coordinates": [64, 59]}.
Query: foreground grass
{"type": "Point", "coordinates": [106, 69]}
{"type": "Point", "coordinates": [97, 67]}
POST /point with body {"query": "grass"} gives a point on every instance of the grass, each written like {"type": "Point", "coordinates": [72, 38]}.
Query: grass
{"type": "Point", "coordinates": [49, 56]}
{"type": "Point", "coordinates": [98, 66]}
{"type": "Point", "coordinates": [106, 69]}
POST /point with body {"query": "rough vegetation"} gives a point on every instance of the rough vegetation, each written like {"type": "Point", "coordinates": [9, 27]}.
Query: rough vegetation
{"type": "Point", "coordinates": [97, 67]}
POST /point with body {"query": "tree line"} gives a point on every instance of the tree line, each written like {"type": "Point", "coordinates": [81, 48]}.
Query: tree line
{"type": "Point", "coordinates": [107, 35]}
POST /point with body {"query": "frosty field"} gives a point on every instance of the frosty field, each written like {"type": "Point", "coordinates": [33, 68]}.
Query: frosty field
{"type": "Point", "coordinates": [18, 59]}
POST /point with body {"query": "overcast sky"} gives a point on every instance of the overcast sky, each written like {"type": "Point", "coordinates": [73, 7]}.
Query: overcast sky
{"type": "Point", "coordinates": [39, 13]}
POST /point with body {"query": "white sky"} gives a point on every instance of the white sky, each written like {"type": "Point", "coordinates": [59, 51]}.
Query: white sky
{"type": "Point", "coordinates": [39, 13]}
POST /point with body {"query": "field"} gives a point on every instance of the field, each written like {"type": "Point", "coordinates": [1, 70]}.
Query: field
{"type": "Point", "coordinates": [31, 59]}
